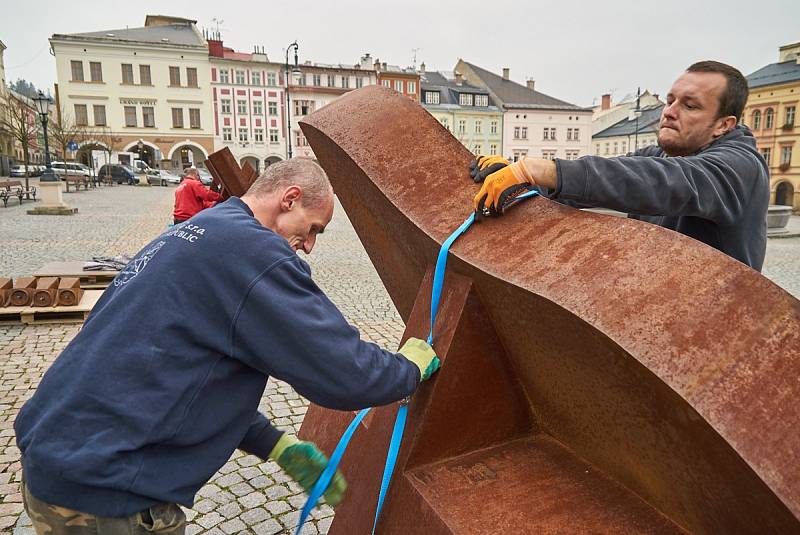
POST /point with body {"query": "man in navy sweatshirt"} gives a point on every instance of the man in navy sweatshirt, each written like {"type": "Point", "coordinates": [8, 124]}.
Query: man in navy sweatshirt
{"type": "Point", "coordinates": [705, 179]}
{"type": "Point", "coordinates": [163, 382]}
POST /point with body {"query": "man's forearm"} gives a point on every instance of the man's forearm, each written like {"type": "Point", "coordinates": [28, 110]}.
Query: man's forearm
{"type": "Point", "coordinates": [540, 172]}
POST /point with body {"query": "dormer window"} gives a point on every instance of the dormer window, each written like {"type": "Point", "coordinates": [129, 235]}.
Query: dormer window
{"type": "Point", "coordinates": [465, 99]}
{"type": "Point", "coordinates": [481, 100]}
{"type": "Point", "coordinates": [431, 97]}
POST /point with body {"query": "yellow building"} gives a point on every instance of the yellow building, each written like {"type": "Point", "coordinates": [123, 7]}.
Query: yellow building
{"type": "Point", "coordinates": [771, 113]}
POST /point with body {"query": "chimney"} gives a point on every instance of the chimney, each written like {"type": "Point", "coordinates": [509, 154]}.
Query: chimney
{"type": "Point", "coordinates": [606, 102]}
{"type": "Point", "coordinates": [459, 78]}
{"type": "Point", "coordinates": [383, 66]}
{"type": "Point", "coordinates": [506, 73]}
{"type": "Point", "coordinates": [422, 68]}
{"type": "Point", "coordinates": [530, 84]}
{"type": "Point", "coordinates": [215, 48]}
{"type": "Point", "coordinates": [377, 64]}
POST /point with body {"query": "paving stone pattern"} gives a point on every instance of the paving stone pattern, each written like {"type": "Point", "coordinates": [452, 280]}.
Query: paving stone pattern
{"type": "Point", "coordinates": [246, 495]}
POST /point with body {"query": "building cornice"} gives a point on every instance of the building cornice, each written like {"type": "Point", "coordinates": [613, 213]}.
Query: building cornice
{"type": "Point", "coordinates": [119, 43]}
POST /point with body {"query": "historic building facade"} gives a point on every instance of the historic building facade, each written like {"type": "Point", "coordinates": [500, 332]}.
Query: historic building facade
{"type": "Point", "coordinates": [404, 80]}
{"type": "Point", "coordinates": [318, 84]}
{"type": "Point", "coordinates": [247, 97]}
{"type": "Point", "coordinates": [771, 113]}
{"type": "Point", "coordinates": [635, 131]}
{"type": "Point", "coordinates": [534, 124]}
{"type": "Point", "coordinates": [139, 92]}
{"type": "Point", "coordinates": [466, 110]}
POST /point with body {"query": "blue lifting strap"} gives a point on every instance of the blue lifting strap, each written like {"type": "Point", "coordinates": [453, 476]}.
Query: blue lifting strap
{"type": "Point", "coordinates": [400, 421]}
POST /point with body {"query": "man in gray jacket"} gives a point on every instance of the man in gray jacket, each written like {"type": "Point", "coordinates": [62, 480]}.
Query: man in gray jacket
{"type": "Point", "coordinates": [705, 179]}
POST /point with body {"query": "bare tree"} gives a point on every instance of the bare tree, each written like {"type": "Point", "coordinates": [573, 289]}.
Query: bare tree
{"type": "Point", "coordinates": [110, 143]}
{"type": "Point", "coordinates": [20, 123]}
{"type": "Point", "coordinates": [64, 131]}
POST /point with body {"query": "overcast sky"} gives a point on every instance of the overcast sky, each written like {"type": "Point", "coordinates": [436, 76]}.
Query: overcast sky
{"type": "Point", "coordinates": [575, 51]}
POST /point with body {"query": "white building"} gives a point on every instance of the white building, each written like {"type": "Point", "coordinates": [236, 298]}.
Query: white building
{"type": "Point", "coordinates": [139, 90]}
{"type": "Point", "coordinates": [247, 96]}
{"type": "Point", "coordinates": [635, 131]}
{"type": "Point", "coordinates": [318, 84]}
{"type": "Point", "coordinates": [608, 113]}
{"type": "Point", "coordinates": [534, 124]}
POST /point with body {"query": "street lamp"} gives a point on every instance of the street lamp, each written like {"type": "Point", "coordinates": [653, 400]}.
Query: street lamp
{"type": "Point", "coordinates": [295, 72]}
{"type": "Point", "coordinates": [43, 107]}
{"type": "Point", "coordinates": [637, 112]}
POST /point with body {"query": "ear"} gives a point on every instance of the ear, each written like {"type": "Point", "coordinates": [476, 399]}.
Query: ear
{"type": "Point", "coordinates": [724, 125]}
{"type": "Point", "coordinates": [291, 195]}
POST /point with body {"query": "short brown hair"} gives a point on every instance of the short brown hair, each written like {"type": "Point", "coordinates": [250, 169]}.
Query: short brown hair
{"type": "Point", "coordinates": [733, 99]}
{"type": "Point", "coordinates": [303, 172]}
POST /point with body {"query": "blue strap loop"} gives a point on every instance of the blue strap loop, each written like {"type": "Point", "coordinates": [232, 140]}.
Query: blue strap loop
{"type": "Point", "coordinates": [400, 421]}
{"type": "Point", "coordinates": [327, 475]}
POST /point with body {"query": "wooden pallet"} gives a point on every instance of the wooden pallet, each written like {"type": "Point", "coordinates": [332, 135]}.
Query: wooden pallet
{"type": "Point", "coordinates": [58, 314]}
{"type": "Point", "coordinates": [90, 280]}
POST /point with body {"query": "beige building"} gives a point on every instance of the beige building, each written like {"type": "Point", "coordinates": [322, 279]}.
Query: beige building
{"type": "Point", "coordinates": [6, 140]}
{"type": "Point", "coordinates": [771, 113]}
{"type": "Point", "coordinates": [609, 113]}
{"type": "Point", "coordinates": [534, 124]}
{"type": "Point", "coordinates": [140, 92]}
{"type": "Point", "coordinates": [318, 84]}
{"type": "Point", "coordinates": [637, 130]}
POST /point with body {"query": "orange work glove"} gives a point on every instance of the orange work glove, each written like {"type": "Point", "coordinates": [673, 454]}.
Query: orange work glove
{"type": "Point", "coordinates": [500, 187]}
{"type": "Point", "coordinates": [486, 165]}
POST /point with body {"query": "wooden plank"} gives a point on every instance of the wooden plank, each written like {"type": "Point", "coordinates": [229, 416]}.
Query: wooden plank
{"type": "Point", "coordinates": [57, 314]}
{"type": "Point", "coordinates": [222, 165]}
{"type": "Point", "coordinates": [74, 268]}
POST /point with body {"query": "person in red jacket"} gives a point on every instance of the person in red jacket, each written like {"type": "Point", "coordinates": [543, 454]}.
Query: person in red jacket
{"type": "Point", "coordinates": [192, 196]}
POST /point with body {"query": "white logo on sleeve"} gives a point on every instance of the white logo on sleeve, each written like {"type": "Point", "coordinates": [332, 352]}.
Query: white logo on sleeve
{"type": "Point", "coordinates": [137, 265]}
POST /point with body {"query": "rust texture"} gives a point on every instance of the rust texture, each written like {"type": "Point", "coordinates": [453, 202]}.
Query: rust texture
{"type": "Point", "coordinates": [46, 293]}
{"type": "Point", "coordinates": [69, 291]}
{"type": "Point", "coordinates": [22, 293]}
{"type": "Point", "coordinates": [229, 178]}
{"type": "Point", "coordinates": [6, 285]}
{"type": "Point", "coordinates": [600, 374]}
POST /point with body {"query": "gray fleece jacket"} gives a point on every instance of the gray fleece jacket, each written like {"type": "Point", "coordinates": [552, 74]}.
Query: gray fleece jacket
{"type": "Point", "coordinates": [718, 195]}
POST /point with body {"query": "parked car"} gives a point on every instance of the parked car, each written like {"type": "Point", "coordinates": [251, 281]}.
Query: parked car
{"type": "Point", "coordinates": [19, 171]}
{"type": "Point", "coordinates": [205, 176]}
{"type": "Point", "coordinates": [69, 168]}
{"type": "Point", "coordinates": [119, 173]}
{"type": "Point", "coordinates": [168, 178]}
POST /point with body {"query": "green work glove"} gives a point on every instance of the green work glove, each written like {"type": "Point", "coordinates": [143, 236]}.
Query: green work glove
{"type": "Point", "coordinates": [421, 354]}
{"type": "Point", "coordinates": [484, 166]}
{"type": "Point", "coordinates": [304, 462]}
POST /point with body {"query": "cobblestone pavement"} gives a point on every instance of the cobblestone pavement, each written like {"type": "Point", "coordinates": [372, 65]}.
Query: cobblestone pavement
{"type": "Point", "coordinates": [246, 495]}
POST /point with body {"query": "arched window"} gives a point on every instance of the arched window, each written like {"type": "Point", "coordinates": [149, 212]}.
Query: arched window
{"type": "Point", "coordinates": [757, 120]}
{"type": "Point", "coordinates": [768, 118]}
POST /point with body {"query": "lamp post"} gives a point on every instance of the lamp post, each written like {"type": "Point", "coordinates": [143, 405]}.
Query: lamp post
{"type": "Point", "coordinates": [637, 112]}
{"type": "Point", "coordinates": [143, 175]}
{"type": "Point", "coordinates": [295, 71]}
{"type": "Point", "coordinates": [42, 108]}
{"type": "Point", "coordinates": [51, 200]}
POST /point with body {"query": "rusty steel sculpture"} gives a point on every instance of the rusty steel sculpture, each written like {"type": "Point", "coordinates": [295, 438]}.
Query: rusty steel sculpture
{"type": "Point", "coordinates": [599, 374]}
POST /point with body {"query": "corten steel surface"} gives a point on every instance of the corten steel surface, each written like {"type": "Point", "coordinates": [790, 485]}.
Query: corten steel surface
{"type": "Point", "coordinates": [600, 374]}
{"type": "Point", "coordinates": [69, 291]}
{"type": "Point", "coordinates": [22, 293]}
{"type": "Point", "coordinates": [235, 181]}
{"type": "Point", "coordinates": [46, 293]}
{"type": "Point", "coordinates": [6, 284]}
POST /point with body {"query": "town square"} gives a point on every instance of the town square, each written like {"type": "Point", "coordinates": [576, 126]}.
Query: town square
{"type": "Point", "coordinates": [228, 255]}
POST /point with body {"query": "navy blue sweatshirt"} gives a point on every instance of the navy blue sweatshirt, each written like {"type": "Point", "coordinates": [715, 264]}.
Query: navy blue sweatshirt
{"type": "Point", "coordinates": [163, 382]}
{"type": "Point", "coordinates": [719, 195]}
